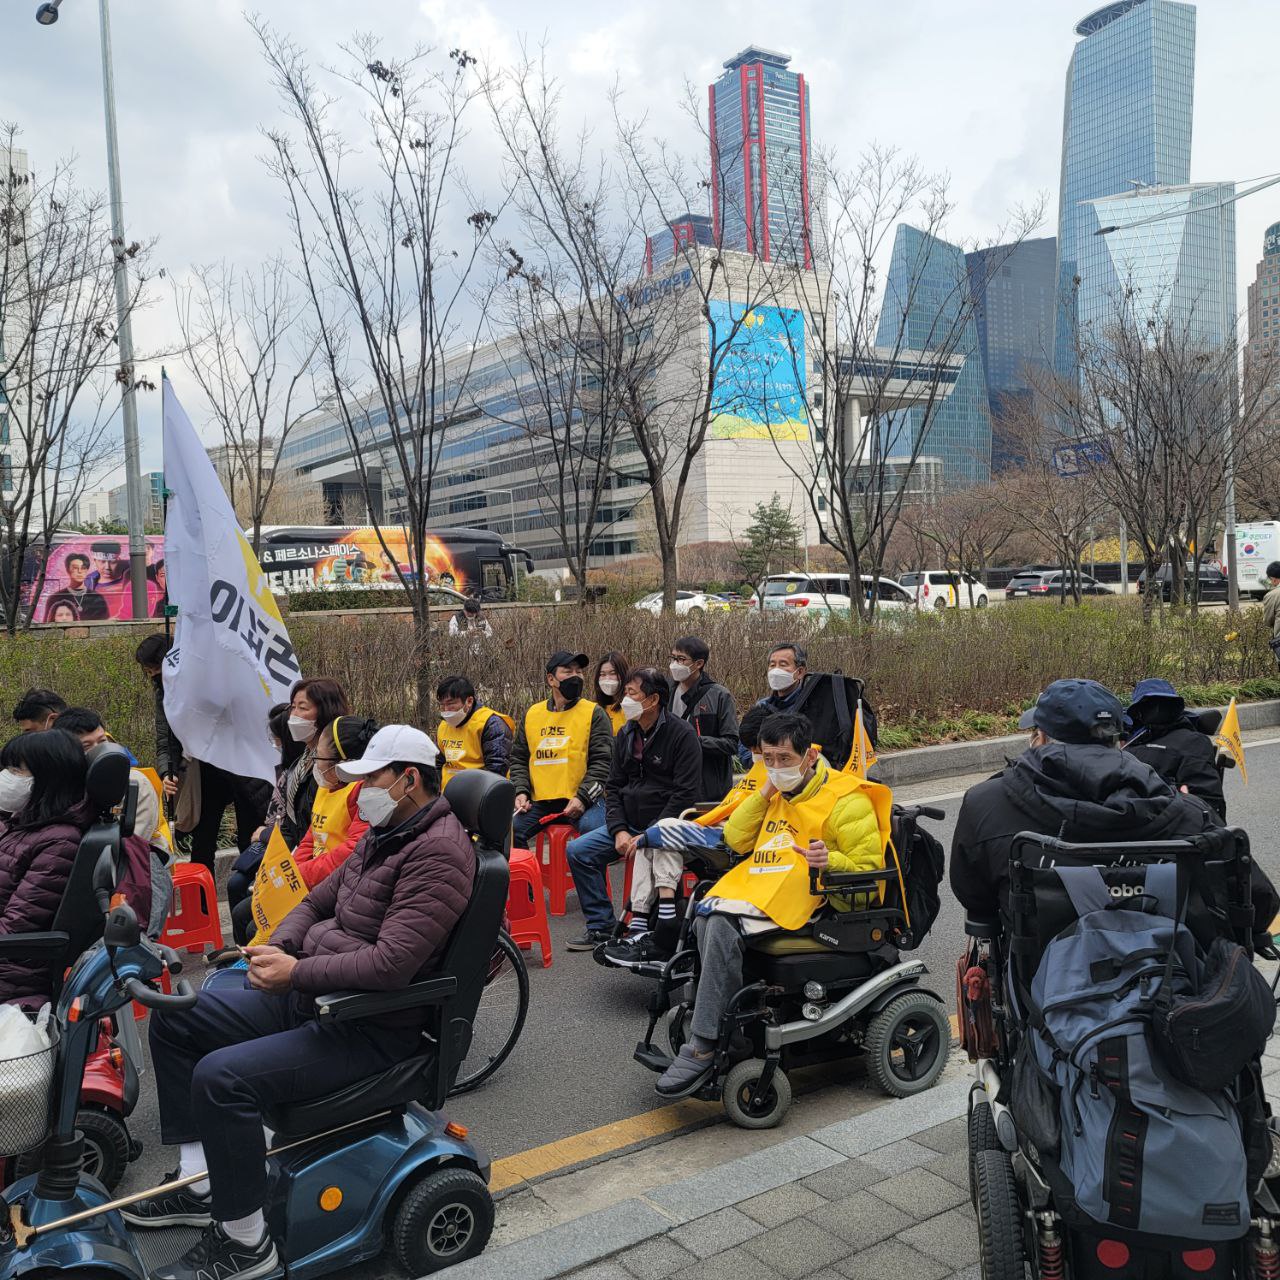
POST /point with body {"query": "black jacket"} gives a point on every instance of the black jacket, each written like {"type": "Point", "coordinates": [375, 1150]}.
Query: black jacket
{"type": "Point", "coordinates": [1077, 793]}
{"type": "Point", "coordinates": [662, 781]}
{"type": "Point", "coordinates": [168, 748]}
{"type": "Point", "coordinates": [710, 711]}
{"type": "Point", "coordinates": [1183, 756]}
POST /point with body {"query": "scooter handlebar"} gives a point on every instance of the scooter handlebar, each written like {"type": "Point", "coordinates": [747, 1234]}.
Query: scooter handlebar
{"type": "Point", "coordinates": [182, 996]}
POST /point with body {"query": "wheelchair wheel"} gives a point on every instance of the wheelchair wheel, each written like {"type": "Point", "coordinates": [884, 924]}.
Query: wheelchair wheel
{"type": "Point", "coordinates": [982, 1137]}
{"type": "Point", "coordinates": [499, 1019]}
{"type": "Point", "coordinates": [999, 1218]}
{"type": "Point", "coordinates": [739, 1085]}
{"type": "Point", "coordinates": [445, 1218]}
{"type": "Point", "coordinates": [906, 1044]}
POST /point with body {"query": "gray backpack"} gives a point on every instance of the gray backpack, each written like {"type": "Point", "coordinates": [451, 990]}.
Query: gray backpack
{"type": "Point", "coordinates": [1138, 1148]}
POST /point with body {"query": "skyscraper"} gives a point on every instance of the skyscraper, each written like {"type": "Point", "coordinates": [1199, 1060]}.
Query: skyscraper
{"type": "Point", "coordinates": [1264, 317]}
{"type": "Point", "coordinates": [1127, 121]}
{"type": "Point", "coordinates": [928, 307]}
{"type": "Point", "coordinates": [1013, 292]}
{"type": "Point", "coordinates": [681, 232]}
{"type": "Point", "coordinates": [759, 123]}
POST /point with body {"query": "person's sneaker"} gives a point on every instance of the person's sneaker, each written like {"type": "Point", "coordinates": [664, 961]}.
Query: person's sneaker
{"type": "Point", "coordinates": [182, 1208]}
{"type": "Point", "coordinates": [631, 952]}
{"type": "Point", "coordinates": [589, 941]}
{"type": "Point", "coordinates": [687, 1073]}
{"type": "Point", "coordinates": [216, 1256]}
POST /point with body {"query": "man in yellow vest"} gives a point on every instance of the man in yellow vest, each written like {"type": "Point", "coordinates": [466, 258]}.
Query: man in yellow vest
{"type": "Point", "coordinates": [470, 736]}
{"type": "Point", "coordinates": [808, 815]}
{"type": "Point", "coordinates": [561, 753]}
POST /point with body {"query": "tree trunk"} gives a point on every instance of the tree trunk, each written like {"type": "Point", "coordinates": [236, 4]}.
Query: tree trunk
{"type": "Point", "coordinates": [420, 660]}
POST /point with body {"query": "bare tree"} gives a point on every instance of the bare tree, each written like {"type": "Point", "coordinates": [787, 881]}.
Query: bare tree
{"type": "Point", "coordinates": [245, 346]}
{"type": "Point", "coordinates": [60, 376]}
{"type": "Point", "coordinates": [391, 258]}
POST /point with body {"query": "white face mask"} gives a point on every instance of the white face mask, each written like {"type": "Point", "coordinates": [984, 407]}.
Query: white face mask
{"type": "Point", "coordinates": [376, 805]}
{"type": "Point", "coordinates": [15, 790]}
{"type": "Point", "coordinates": [609, 685]}
{"type": "Point", "coordinates": [680, 671]}
{"type": "Point", "coordinates": [632, 708]}
{"type": "Point", "coordinates": [779, 678]}
{"type": "Point", "coordinates": [301, 730]}
{"type": "Point", "coordinates": [788, 779]}
{"type": "Point", "coordinates": [453, 717]}
{"type": "Point", "coordinates": [318, 772]}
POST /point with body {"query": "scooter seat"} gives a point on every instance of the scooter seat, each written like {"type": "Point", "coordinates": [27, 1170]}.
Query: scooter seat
{"type": "Point", "coordinates": [391, 1090]}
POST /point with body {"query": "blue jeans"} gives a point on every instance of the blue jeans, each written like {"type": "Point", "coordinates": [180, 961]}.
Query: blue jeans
{"type": "Point", "coordinates": [525, 826]}
{"type": "Point", "coordinates": [589, 857]}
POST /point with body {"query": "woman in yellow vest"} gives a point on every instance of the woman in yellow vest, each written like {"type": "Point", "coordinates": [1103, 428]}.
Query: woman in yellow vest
{"type": "Point", "coordinates": [609, 680]}
{"type": "Point", "coordinates": [336, 825]}
{"type": "Point", "coordinates": [470, 736]}
{"type": "Point", "coordinates": [808, 815]}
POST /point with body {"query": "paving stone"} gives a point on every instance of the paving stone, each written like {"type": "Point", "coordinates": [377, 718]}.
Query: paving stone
{"type": "Point", "coordinates": [797, 1249]}
{"type": "Point", "coordinates": [655, 1259]}
{"type": "Point", "coordinates": [776, 1207]}
{"type": "Point", "coordinates": [955, 1168]}
{"type": "Point", "coordinates": [716, 1232]}
{"type": "Point", "coordinates": [951, 1237]}
{"type": "Point", "coordinates": [920, 1193]}
{"type": "Point", "coordinates": [601, 1271]}
{"type": "Point", "coordinates": [733, 1264]}
{"type": "Point", "coordinates": [861, 1220]}
{"type": "Point", "coordinates": [884, 1125]}
{"type": "Point", "coordinates": [900, 1156]}
{"type": "Point", "coordinates": [969, 1273]}
{"type": "Point", "coordinates": [946, 1138]}
{"type": "Point", "coordinates": [892, 1260]}
{"type": "Point", "coordinates": [843, 1179]}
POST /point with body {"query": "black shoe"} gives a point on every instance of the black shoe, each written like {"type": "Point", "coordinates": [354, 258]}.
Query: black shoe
{"type": "Point", "coordinates": [182, 1208]}
{"type": "Point", "coordinates": [631, 952]}
{"type": "Point", "coordinates": [589, 941]}
{"type": "Point", "coordinates": [216, 1256]}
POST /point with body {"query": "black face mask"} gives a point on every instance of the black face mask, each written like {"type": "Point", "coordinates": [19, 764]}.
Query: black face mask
{"type": "Point", "coordinates": [571, 688]}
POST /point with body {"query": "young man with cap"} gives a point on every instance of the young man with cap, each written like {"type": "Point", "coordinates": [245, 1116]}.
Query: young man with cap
{"type": "Point", "coordinates": [378, 923]}
{"type": "Point", "coordinates": [561, 753]}
{"type": "Point", "coordinates": [1172, 742]}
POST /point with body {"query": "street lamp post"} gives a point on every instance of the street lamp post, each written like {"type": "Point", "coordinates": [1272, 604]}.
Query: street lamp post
{"type": "Point", "coordinates": [47, 15]}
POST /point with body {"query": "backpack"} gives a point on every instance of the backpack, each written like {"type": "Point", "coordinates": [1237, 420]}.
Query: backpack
{"type": "Point", "coordinates": [1123, 1141]}
{"type": "Point", "coordinates": [923, 870]}
{"type": "Point", "coordinates": [830, 703]}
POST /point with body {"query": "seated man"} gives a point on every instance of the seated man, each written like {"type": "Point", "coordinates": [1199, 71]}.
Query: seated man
{"type": "Point", "coordinates": [380, 922]}
{"type": "Point", "coordinates": [1173, 744]}
{"type": "Point", "coordinates": [806, 815]}
{"type": "Point", "coordinates": [470, 736]}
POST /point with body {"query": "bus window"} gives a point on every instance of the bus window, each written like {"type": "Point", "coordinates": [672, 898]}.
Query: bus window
{"type": "Point", "coordinates": [493, 579]}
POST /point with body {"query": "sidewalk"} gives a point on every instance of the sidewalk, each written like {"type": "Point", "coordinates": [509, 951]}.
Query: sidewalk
{"type": "Point", "coordinates": [882, 1194]}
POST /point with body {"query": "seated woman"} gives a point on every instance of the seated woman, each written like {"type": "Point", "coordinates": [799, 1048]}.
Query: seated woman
{"type": "Point", "coordinates": [610, 679]}
{"type": "Point", "coordinates": [43, 814]}
{"type": "Point", "coordinates": [807, 815]}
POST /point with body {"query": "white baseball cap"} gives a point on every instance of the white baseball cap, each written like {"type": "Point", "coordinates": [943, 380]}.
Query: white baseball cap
{"type": "Point", "coordinates": [392, 744]}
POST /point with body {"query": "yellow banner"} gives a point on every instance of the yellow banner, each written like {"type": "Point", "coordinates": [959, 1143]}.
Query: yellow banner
{"type": "Point", "coordinates": [277, 890]}
{"type": "Point", "coordinates": [863, 755]}
{"type": "Point", "coordinates": [1228, 738]}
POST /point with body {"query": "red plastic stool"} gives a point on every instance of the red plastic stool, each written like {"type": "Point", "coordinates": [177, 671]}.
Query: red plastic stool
{"type": "Point", "coordinates": [549, 849]}
{"type": "Point", "coordinates": [526, 905]}
{"type": "Point", "coordinates": [193, 922]}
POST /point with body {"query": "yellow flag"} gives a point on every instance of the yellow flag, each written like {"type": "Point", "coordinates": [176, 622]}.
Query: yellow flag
{"type": "Point", "coordinates": [277, 890]}
{"type": "Point", "coordinates": [863, 755]}
{"type": "Point", "coordinates": [1228, 738]}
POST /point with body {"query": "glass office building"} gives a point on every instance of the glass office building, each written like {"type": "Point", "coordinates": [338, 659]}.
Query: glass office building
{"type": "Point", "coordinates": [759, 125]}
{"type": "Point", "coordinates": [681, 233]}
{"type": "Point", "coordinates": [928, 307]}
{"type": "Point", "coordinates": [1264, 320]}
{"type": "Point", "coordinates": [1126, 121]}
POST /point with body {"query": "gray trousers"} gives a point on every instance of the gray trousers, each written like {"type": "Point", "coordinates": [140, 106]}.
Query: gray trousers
{"type": "Point", "coordinates": [721, 948]}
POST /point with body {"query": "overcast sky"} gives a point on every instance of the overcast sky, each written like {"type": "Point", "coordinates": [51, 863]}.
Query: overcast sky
{"type": "Point", "coordinates": [975, 89]}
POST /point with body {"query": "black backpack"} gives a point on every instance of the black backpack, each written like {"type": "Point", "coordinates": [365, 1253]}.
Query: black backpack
{"type": "Point", "coordinates": [830, 703]}
{"type": "Point", "coordinates": [922, 862]}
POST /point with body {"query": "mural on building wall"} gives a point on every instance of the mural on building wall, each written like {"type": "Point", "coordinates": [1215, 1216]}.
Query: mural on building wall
{"type": "Point", "coordinates": [760, 387]}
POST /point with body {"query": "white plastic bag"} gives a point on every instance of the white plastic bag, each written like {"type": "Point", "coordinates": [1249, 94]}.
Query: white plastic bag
{"type": "Point", "coordinates": [19, 1036]}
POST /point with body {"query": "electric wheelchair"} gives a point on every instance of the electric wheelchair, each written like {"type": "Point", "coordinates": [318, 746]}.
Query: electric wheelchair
{"type": "Point", "coordinates": [834, 989]}
{"type": "Point", "coordinates": [1029, 1212]}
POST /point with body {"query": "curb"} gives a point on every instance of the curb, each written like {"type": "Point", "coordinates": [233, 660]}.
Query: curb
{"type": "Point", "coordinates": [596, 1236]}
{"type": "Point", "coordinates": [954, 759]}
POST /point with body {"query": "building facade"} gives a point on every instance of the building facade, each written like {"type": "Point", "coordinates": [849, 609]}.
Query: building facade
{"type": "Point", "coordinates": [683, 232]}
{"type": "Point", "coordinates": [152, 501]}
{"type": "Point", "coordinates": [928, 306]}
{"type": "Point", "coordinates": [759, 127]}
{"type": "Point", "coordinates": [93, 507]}
{"type": "Point", "coordinates": [1013, 293]}
{"type": "Point", "coordinates": [1126, 121]}
{"type": "Point", "coordinates": [1263, 338]}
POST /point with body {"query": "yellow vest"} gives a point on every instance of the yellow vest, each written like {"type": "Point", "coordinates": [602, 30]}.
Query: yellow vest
{"type": "Point", "coordinates": [617, 717]}
{"type": "Point", "coordinates": [330, 818]}
{"type": "Point", "coordinates": [558, 743]}
{"type": "Point", "coordinates": [162, 831]}
{"type": "Point", "coordinates": [748, 784]}
{"type": "Point", "coordinates": [776, 878]}
{"type": "Point", "coordinates": [461, 744]}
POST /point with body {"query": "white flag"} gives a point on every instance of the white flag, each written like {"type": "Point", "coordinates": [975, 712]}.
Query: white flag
{"type": "Point", "coordinates": [231, 660]}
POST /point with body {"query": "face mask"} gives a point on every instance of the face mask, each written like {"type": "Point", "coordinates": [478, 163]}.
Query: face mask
{"type": "Point", "coordinates": [318, 773]}
{"type": "Point", "coordinates": [680, 671]}
{"type": "Point", "coordinates": [375, 805]}
{"type": "Point", "coordinates": [453, 717]}
{"type": "Point", "coordinates": [632, 708]}
{"type": "Point", "coordinates": [571, 688]}
{"type": "Point", "coordinates": [609, 685]}
{"type": "Point", "coordinates": [301, 730]}
{"type": "Point", "coordinates": [787, 780]}
{"type": "Point", "coordinates": [780, 679]}
{"type": "Point", "coordinates": [15, 791]}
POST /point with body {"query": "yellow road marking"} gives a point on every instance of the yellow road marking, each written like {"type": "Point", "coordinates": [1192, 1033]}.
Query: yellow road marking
{"type": "Point", "coordinates": [537, 1162]}
{"type": "Point", "coordinates": [1275, 925]}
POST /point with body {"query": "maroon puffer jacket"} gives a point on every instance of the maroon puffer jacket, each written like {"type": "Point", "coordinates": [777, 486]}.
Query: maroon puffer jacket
{"type": "Point", "coordinates": [35, 864]}
{"type": "Point", "coordinates": [385, 915]}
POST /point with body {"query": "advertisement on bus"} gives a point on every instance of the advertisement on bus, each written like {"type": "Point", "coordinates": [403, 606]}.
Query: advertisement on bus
{"type": "Point", "coordinates": [86, 579]}
{"type": "Point", "coordinates": [301, 559]}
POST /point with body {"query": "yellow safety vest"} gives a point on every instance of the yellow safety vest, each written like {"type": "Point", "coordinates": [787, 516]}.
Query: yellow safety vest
{"type": "Point", "coordinates": [558, 743]}
{"type": "Point", "coordinates": [748, 784]}
{"type": "Point", "coordinates": [330, 818]}
{"type": "Point", "coordinates": [775, 878]}
{"type": "Point", "coordinates": [617, 717]}
{"type": "Point", "coordinates": [461, 744]}
{"type": "Point", "coordinates": [162, 829]}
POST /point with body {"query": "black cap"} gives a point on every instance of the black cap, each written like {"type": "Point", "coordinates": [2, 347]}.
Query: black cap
{"type": "Point", "coordinates": [1070, 710]}
{"type": "Point", "coordinates": [563, 658]}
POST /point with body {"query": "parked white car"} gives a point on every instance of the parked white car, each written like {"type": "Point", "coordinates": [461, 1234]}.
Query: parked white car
{"type": "Point", "coordinates": [687, 602]}
{"type": "Point", "coordinates": [944, 589]}
{"type": "Point", "coordinates": [825, 593]}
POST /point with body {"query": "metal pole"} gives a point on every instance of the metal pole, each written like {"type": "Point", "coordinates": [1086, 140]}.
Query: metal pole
{"type": "Point", "coordinates": [1229, 478]}
{"type": "Point", "coordinates": [1124, 558]}
{"type": "Point", "coordinates": [132, 473]}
